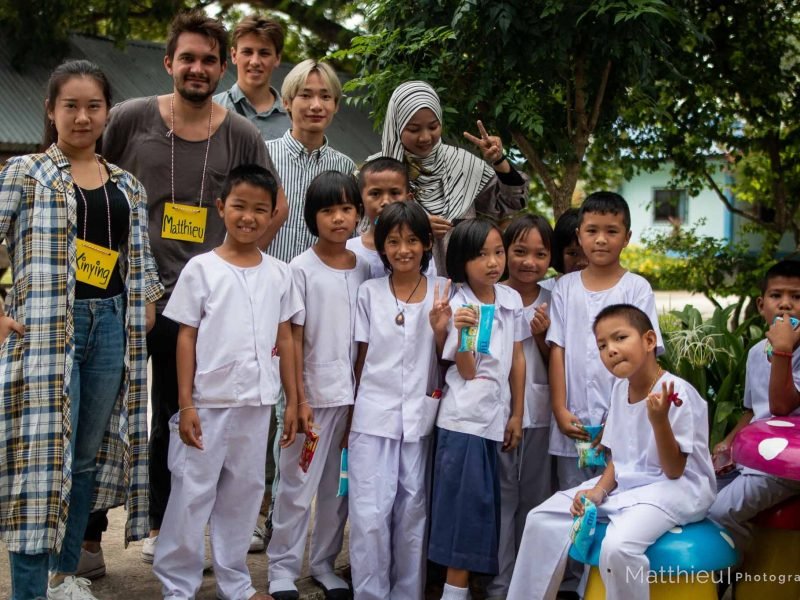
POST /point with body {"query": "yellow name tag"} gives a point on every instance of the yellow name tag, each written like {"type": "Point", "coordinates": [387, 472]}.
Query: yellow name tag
{"type": "Point", "coordinates": [95, 263]}
{"type": "Point", "coordinates": [182, 222]}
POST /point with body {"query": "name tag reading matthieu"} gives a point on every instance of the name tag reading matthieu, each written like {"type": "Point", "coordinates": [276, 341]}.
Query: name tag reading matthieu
{"type": "Point", "coordinates": [95, 263]}
{"type": "Point", "coordinates": [182, 222]}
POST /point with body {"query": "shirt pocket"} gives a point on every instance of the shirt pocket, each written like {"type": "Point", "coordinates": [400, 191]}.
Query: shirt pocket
{"type": "Point", "coordinates": [537, 405]}
{"type": "Point", "coordinates": [328, 383]}
{"type": "Point", "coordinates": [420, 417]}
{"type": "Point", "coordinates": [218, 385]}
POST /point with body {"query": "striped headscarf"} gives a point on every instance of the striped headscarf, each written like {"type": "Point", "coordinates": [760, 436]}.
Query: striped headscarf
{"type": "Point", "coordinates": [446, 181]}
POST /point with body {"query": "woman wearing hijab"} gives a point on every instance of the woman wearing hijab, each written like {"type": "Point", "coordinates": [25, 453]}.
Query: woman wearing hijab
{"type": "Point", "coordinates": [450, 183]}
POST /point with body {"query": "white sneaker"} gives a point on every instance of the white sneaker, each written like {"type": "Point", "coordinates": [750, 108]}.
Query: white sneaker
{"type": "Point", "coordinates": [149, 549]}
{"type": "Point", "coordinates": [257, 541]}
{"type": "Point", "coordinates": [91, 565]}
{"type": "Point", "coordinates": [73, 588]}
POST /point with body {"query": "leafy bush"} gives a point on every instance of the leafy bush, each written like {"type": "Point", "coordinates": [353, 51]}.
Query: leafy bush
{"type": "Point", "coordinates": [652, 265]}
{"type": "Point", "coordinates": [712, 357]}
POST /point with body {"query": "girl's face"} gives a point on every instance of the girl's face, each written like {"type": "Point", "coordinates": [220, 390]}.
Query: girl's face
{"type": "Point", "coordinates": [528, 259]}
{"type": "Point", "coordinates": [574, 258]}
{"type": "Point", "coordinates": [336, 223]}
{"type": "Point", "coordinates": [404, 250]}
{"type": "Point", "coordinates": [79, 113]}
{"type": "Point", "coordinates": [487, 268]}
{"type": "Point", "coordinates": [421, 133]}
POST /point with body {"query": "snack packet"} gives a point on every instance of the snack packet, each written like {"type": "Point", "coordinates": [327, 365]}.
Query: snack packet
{"type": "Point", "coordinates": [583, 529]}
{"type": "Point", "coordinates": [309, 448]}
{"type": "Point", "coordinates": [343, 480]}
{"type": "Point", "coordinates": [795, 322]}
{"type": "Point", "coordinates": [476, 339]}
{"type": "Point", "coordinates": [588, 456]}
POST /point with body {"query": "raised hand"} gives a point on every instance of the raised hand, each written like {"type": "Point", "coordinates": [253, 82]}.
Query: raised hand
{"type": "Point", "coordinates": [465, 317]}
{"type": "Point", "coordinates": [540, 321]}
{"type": "Point", "coordinates": [441, 313]}
{"type": "Point", "coordinates": [658, 404]}
{"type": "Point", "coordinates": [491, 146]}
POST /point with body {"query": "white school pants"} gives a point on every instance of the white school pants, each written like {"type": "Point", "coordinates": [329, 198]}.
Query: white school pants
{"type": "Point", "coordinates": [292, 510]}
{"type": "Point", "coordinates": [221, 485]}
{"type": "Point", "coordinates": [745, 497]}
{"type": "Point", "coordinates": [542, 555]}
{"type": "Point", "coordinates": [388, 516]}
{"type": "Point", "coordinates": [525, 482]}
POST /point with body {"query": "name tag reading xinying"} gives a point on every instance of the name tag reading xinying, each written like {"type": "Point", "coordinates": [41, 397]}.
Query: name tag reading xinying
{"type": "Point", "coordinates": [95, 263]}
{"type": "Point", "coordinates": [182, 222]}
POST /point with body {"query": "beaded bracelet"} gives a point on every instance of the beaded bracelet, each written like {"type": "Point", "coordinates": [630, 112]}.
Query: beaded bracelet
{"type": "Point", "coordinates": [782, 353]}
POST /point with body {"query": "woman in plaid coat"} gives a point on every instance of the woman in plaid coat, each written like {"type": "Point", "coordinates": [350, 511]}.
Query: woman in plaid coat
{"type": "Point", "coordinates": [73, 430]}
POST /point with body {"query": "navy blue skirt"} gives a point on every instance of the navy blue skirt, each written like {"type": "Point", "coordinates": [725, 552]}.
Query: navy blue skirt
{"type": "Point", "coordinates": [465, 510]}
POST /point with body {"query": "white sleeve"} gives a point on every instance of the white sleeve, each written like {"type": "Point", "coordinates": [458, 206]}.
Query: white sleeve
{"type": "Point", "coordinates": [522, 329]}
{"type": "Point", "coordinates": [299, 280]}
{"type": "Point", "coordinates": [556, 332]}
{"type": "Point", "coordinates": [361, 328]}
{"type": "Point", "coordinates": [186, 303]}
{"type": "Point", "coordinates": [646, 301]}
{"type": "Point", "coordinates": [748, 378]}
{"type": "Point", "coordinates": [682, 418]}
{"type": "Point", "coordinates": [611, 426]}
{"type": "Point", "coordinates": [291, 303]}
{"type": "Point", "coordinates": [452, 342]}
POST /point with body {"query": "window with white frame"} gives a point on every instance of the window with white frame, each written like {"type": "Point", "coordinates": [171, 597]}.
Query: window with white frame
{"type": "Point", "coordinates": [669, 205]}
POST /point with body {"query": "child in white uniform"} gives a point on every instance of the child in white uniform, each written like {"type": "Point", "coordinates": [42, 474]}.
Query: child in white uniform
{"type": "Point", "coordinates": [580, 385]}
{"type": "Point", "coordinates": [772, 388]}
{"type": "Point", "coordinates": [395, 409]}
{"type": "Point", "coordinates": [659, 474]}
{"type": "Point", "coordinates": [566, 254]}
{"type": "Point", "coordinates": [525, 475]}
{"type": "Point", "coordinates": [482, 407]}
{"type": "Point", "coordinates": [327, 277]}
{"type": "Point", "coordinates": [226, 385]}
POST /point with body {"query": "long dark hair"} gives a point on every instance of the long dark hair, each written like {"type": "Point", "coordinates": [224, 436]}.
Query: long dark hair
{"type": "Point", "coordinates": [60, 75]}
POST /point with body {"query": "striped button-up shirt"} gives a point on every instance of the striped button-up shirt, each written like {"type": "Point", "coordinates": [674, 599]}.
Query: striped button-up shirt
{"type": "Point", "coordinates": [38, 219]}
{"type": "Point", "coordinates": [297, 167]}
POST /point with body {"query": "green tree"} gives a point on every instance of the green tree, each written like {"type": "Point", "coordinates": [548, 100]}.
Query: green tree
{"type": "Point", "coordinates": [551, 75]}
{"type": "Point", "coordinates": [734, 92]}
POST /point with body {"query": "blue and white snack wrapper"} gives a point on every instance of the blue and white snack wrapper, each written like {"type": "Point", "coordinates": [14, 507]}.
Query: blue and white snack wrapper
{"type": "Point", "coordinates": [583, 529]}
{"type": "Point", "coordinates": [343, 481]}
{"type": "Point", "coordinates": [476, 339]}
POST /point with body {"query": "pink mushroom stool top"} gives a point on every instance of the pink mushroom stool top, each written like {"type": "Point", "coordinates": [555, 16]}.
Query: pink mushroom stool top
{"type": "Point", "coordinates": [771, 445]}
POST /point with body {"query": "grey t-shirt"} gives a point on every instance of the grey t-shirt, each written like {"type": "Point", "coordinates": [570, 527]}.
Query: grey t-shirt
{"type": "Point", "coordinates": [137, 140]}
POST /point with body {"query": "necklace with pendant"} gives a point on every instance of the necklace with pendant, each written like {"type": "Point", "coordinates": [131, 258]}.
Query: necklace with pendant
{"type": "Point", "coordinates": [400, 319]}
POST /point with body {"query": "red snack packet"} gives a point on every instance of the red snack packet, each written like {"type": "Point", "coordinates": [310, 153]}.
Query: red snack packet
{"type": "Point", "coordinates": [309, 448]}
{"type": "Point", "coordinates": [675, 399]}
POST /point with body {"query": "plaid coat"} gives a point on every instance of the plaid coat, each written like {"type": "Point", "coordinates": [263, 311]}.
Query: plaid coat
{"type": "Point", "coordinates": [37, 218]}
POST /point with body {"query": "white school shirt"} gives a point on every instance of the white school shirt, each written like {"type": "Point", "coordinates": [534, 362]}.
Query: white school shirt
{"type": "Point", "coordinates": [637, 468]}
{"type": "Point", "coordinates": [400, 370]}
{"type": "Point", "coordinates": [756, 387]}
{"type": "Point", "coordinates": [573, 309]}
{"type": "Point", "coordinates": [327, 314]}
{"type": "Point", "coordinates": [549, 283]}
{"type": "Point", "coordinates": [482, 406]}
{"type": "Point", "coordinates": [538, 409]}
{"type": "Point", "coordinates": [373, 257]}
{"type": "Point", "coordinates": [236, 311]}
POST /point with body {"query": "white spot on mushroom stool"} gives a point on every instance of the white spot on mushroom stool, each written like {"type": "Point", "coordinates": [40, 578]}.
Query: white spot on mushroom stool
{"type": "Point", "coordinates": [777, 423]}
{"type": "Point", "coordinates": [772, 447]}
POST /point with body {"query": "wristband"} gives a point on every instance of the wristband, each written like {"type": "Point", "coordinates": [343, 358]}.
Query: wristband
{"type": "Point", "coordinates": [500, 160]}
{"type": "Point", "coordinates": [782, 353]}
{"type": "Point", "coordinates": [605, 493]}
{"type": "Point", "coordinates": [180, 410]}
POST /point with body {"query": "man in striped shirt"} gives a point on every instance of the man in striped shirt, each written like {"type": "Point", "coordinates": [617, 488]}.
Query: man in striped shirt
{"type": "Point", "coordinates": [311, 94]}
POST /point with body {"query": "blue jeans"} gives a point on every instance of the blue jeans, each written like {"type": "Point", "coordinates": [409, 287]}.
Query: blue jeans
{"type": "Point", "coordinates": [94, 387]}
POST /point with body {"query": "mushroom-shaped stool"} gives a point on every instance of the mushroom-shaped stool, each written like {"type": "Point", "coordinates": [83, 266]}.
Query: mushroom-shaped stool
{"type": "Point", "coordinates": [682, 562]}
{"type": "Point", "coordinates": [772, 567]}
{"type": "Point", "coordinates": [770, 445]}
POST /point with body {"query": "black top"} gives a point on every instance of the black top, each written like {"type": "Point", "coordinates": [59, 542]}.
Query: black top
{"type": "Point", "coordinates": [97, 232]}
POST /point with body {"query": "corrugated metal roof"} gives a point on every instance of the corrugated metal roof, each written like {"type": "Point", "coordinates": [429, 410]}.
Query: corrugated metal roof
{"type": "Point", "coordinates": [137, 70]}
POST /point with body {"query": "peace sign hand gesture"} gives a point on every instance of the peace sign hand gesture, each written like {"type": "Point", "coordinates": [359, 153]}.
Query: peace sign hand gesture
{"type": "Point", "coordinates": [441, 313]}
{"type": "Point", "coordinates": [491, 146]}
{"type": "Point", "coordinates": [658, 404]}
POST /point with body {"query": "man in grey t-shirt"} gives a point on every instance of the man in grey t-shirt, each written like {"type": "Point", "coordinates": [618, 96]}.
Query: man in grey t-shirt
{"type": "Point", "coordinates": [256, 52]}
{"type": "Point", "coordinates": [181, 146]}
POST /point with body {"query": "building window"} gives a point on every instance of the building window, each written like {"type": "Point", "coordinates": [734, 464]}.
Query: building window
{"type": "Point", "coordinates": [669, 205]}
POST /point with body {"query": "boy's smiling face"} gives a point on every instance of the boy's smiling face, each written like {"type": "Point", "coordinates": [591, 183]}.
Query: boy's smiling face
{"type": "Point", "coordinates": [781, 297]}
{"type": "Point", "coordinates": [246, 212]}
{"type": "Point", "coordinates": [602, 237]}
{"type": "Point", "coordinates": [623, 349]}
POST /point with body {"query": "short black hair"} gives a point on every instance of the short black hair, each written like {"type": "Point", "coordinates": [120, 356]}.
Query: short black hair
{"type": "Point", "coordinates": [784, 268]}
{"type": "Point", "coordinates": [466, 241]}
{"type": "Point", "coordinates": [519, 228]}
{"type": "Point", "coordinates": [330, 188]}
{"type": "Point", "coordinates": [634, 315]}
{"type": "Point", "coordinates": [606, 202]}
{"type": "Point", "coordinates": [382, 163]}
{"type": "Point", "coordinates": [564, 234]}
{"type": "Point", "coordinates": [196, 21]}
{"type": "Point", "coordinates": [415, 218]}
{"type": "Point", "coordinates": [255, 175]}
